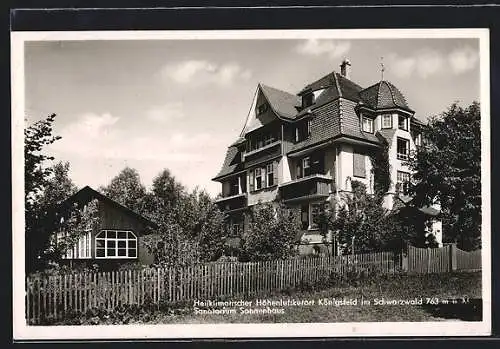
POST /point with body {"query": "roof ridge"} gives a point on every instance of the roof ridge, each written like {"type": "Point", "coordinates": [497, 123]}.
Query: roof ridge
{"type": "Point", "coordinates": [337, 84]}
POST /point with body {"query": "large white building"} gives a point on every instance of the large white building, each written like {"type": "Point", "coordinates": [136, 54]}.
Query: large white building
{"type": "Point", "coordinates": [306, 148]}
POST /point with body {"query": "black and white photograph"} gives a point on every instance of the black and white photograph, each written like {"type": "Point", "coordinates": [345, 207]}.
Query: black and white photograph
{"type": "Point", "coordinates": [251, 183]}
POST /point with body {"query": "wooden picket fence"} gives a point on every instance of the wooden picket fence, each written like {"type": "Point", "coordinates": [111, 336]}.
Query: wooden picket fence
{"type": "Point", "coordinates": [54, 296]}
{"type": "Point", "coordinates": [439, 260]}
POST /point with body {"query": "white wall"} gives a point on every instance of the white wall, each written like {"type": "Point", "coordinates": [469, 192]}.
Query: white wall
{"type": "Point", "coordinates": [345, 169]}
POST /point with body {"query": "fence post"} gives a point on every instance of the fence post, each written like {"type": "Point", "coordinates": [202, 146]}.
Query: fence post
{"type": "Point", "coordinates": [453, 257]}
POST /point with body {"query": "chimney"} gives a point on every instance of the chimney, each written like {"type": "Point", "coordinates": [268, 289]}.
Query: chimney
{"type": "Point", "coordinates": [345, 68]}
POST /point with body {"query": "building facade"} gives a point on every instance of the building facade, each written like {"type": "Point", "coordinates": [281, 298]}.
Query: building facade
{"type": "Point", "coordinates": [306, 149]}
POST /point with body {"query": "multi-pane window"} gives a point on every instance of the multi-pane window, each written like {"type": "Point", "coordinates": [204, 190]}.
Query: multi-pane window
{"type": "Point", "coordinates": [316, 209]}
{"type": "Point", "coordinates": [403, 148]}
{"type": "Point", "coordinates": [403, 181]}
{"type": "Point", "coordinates": [81, 249]}
{"type": "Point", "coordinates": [386, 121]}
{"type": "Point", "coordinates": [116, 244]}
{"type": "Point", "coordinates": [367, 125]}
{"type": "Point", "coordinates": [359, 165]}
{"type": "Point", "coordinates": [258, 178]}
{"type": "Point", "coordinates": [403, 122]}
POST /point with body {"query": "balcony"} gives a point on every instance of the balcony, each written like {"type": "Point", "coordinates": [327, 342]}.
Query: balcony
{"type": "Point", "coordinates": [307, 188]}
{"type": "Point", "coordinates": [232, 203]}
{"type": "Point", "coordinates": [264, 153]}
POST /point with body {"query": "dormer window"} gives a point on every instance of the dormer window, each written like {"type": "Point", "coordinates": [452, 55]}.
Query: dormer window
{"type": "Point", "coordinates": [367, 124]}
{"type": "Point", "coordinates": [262, 108]}
{"type": "Point", "coordinates": [307, 99]}
{"type": "Point", "coordinates": [403, 122]}
{"type": "Point", "coordinates": [386, 121]}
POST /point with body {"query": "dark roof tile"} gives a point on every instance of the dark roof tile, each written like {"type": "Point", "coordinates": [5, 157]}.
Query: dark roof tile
{"type": "Point", "coordinates": [283, 103]}
{"type": "Point", "coordinates": [232, 162]}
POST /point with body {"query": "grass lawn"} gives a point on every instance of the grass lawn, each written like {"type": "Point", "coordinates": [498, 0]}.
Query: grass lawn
{"type": "Point", "coordinates": [432, 290]}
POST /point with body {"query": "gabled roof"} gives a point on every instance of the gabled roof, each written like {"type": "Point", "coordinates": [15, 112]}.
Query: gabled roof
{"type": "Point", "coordinates": [283, 103]}
{"type": "Point", "coordinates": [87, 194]}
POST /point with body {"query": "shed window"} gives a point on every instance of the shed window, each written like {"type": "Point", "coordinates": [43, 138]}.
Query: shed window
{"type": "Point", "coordinates": [116, 244]}
{"type": "Point", "coordinates": [81, 248]}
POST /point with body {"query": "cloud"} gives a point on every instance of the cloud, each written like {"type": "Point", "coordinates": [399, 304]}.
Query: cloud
{"type": "Point", "coordinates": [463, 59]}
{"type": "Point", "coordinates": [427, 63]}
{"type": "Point", "coordinates": [166, 112]}
{"type": "Point", "coordinates": [91, 136]}
{"type": "Point", "coordinates": [200, 72]}
{"type": "Point", "coordinates": [316, 47]}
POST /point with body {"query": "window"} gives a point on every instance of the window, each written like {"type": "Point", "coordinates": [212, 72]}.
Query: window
{"type": "Point", "coordinates": [402, 148]}
{"type": "Point", "coordinates": [359, 165]}
{"type": "Point", "coordinates": [418, 139]}
{"type": "Point", "coordinates": [116, 244]}
{"type": "Point", "coordinates": [402, 122]}
{"type": "Point", "coordinates": [403, 181]}
{"type": "Point", "coordinates": [367, 125]}
{"type": "Point", "coordinates": [262, 108]}
{"type": "Point", "coordinates": [302, 130]}
{"type": "Point", "coordinates": [270, 174]}
{"type": "Point", "coordinates": [258, 178]}
{"type": "Point", "coordinates": [82, 247]}
{"type": "Point", "coordinates": [307, 99]}
{"type": "Point", "coordinates": [386, 121]}
{"type": "Point", "coordinates": [316, 209]}
{"type": "Point", "coordinates": [306, 166]}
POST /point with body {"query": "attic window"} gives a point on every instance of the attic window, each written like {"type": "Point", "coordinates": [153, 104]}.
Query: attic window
{"type": "Point", "coordinates": [262, 108]}
{"type": "Point", "coordinates": [307, 99]}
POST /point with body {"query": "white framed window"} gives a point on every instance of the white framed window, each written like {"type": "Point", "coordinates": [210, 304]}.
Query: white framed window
{"type": "Point", "coordinates": [82, 249]}
{"type": "Point", "coordinates": [386, 120]}
{"type": "Point", "coordinates": [367, 124]}
{"type": "Point", "coordinates": [403, 148]}
{"type": "Point", "coordinates": [403, 181]}
{"type": "Point", "coordinates": [306, 166]}
{"type": "Point", "coordinates": [402, 122]}
{"type": "Point", "coordinates": [258, 178]}
{"type": "Point", "coordinates": [116, 244]}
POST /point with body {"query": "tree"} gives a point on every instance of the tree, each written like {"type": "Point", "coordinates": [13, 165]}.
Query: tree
{"type": "Point", "coordinates": [36, 176]}
{"type": "Point", "coordinates": [448, 171]}
{"type": "Point", "coordinates": [126, 188]}
{"type": "Point", "coordinates": [272, 233]}
{"type": "Point", "coordinates": [361, 224]}
{"type": "Point", "coordinates": [58, 186]}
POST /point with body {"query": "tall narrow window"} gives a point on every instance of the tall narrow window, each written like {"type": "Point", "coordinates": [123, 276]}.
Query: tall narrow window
{"type": "Point", "coordinates": [306, 166]}
{"type": "Point", "coordinates": [403, 122]}
{"type": "Point", "coordinates": [367, 125]}
{"type": "Point", "coordinates": [403, 150]}
{"type": "Point", "coordinates": [403, 182]}
{"type": "Point", "coordinates": [270, 174]}
{"type": "Point", "coordinates": [418, 139]}
{"type": "Point", "coordinates": [386, 121]}
{"type": "Point", "coordinates": [258, 178]}
{"type": "Point", "coordinates": [359, 165]}
{"type": "Point", "coordinates": [316, 209]}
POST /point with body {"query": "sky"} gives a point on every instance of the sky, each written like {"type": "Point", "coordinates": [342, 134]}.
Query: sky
{"type": "Point", "coordinates": [178, 104]}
